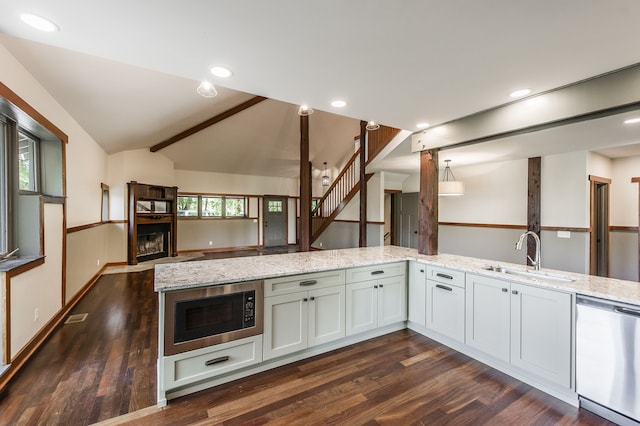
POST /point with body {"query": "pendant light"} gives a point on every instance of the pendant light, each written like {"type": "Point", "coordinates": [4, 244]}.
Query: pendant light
{"type": "Point", "coordinates": [325, 177]}
{"type": "Point", "coordinates": [449, 186]}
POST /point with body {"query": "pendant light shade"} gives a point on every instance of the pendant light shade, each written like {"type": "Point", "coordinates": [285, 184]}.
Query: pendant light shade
{"type": "Point", "coordinates": [326, 180]}
{"type": "Point", "coordinates": [449, 186]}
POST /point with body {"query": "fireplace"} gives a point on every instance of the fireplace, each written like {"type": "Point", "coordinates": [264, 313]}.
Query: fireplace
{"type": "Point", "coordinates": [152, 241]}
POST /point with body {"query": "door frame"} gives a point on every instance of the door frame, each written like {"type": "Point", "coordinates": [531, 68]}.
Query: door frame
{"type": "Point", "coordinates": [594, 183]}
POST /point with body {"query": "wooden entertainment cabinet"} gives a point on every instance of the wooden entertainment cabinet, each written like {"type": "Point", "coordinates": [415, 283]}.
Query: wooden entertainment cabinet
{"type": "Point", "coordinates": [152, 211]}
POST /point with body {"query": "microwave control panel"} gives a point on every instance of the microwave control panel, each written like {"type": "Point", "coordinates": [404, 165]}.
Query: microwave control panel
{"type": "Point", "coordinates": [249, 309]}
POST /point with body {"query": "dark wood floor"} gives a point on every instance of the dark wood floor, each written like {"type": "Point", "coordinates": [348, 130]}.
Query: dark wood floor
{"type": "Point", "coordinates": [105, 367]}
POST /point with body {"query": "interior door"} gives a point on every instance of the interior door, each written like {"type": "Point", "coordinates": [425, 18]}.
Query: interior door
{"type": "Point", "coordinates": [275, 221]}
{"type": "Point", "coordinates": [406, 220]}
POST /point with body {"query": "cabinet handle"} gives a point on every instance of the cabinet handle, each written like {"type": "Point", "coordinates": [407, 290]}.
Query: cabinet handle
{"type": "Point", "coordinates": [377, 272]}
{"type": "Point", "coordinates": [375, 286]}
{"type": "Point", "coordinates": [312, 299]}
{"type": "Point", "coordinates": [514, 291]}
{"type": "Point", "coordinates": [380, 285]}
{"type": "Point", "coordinates": [627, 311]}
{"type": "Point", "coordinates": [449, 277]}
{"type": "Point", "coordinates": [444, 287]}
{"type": "Point", "coordinates": [422, 270]}
{"type": "Point", "coordinates": [505, 290]}
{"type": "Point", "coordinates": [305, 300]}
{"type": "Point", "coordinates": [307, 283]}
{"type": "Point", "coordinates": [216, 360]}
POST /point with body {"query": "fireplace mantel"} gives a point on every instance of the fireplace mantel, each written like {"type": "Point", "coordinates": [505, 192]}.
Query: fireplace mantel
{"type": "Point", "coordinates": [151, 207]}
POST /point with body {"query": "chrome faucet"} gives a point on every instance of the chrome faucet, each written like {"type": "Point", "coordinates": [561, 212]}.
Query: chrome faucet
{"type": "Point", "coordinates": [536, 262]}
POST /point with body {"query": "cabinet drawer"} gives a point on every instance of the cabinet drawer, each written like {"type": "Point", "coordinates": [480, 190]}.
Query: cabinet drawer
{"type": "Point", "coordinates": [374, 272]}
{"type": "Point", "coordinates": [295, 283]}
{"type": "Point", "coordinates": [190, 367]}
{"type": "Point", "coordinates": [446, 276]}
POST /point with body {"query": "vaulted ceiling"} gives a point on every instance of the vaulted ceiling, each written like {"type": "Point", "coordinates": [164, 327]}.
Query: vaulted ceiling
{"type": "Point", "coordinates": [127, 71]}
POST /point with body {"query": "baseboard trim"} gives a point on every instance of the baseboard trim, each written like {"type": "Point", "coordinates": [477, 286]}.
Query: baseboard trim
{"type": "Point", "coordinates": [21, 358]}
{"type": "Point", "coordinates": [219, 249]}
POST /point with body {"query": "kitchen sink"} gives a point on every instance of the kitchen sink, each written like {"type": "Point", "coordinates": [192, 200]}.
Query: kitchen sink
{"type": "Point", "coordinates": [529, 273]}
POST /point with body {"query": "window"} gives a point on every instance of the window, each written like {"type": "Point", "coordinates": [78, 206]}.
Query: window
{"type": "Point", "coordinates": [211, 206]}
{"type": "Point", "coordinates": [235, 207]}
{"type": "Point", "coordinates": [274, 206]}
{"type": "Point", "coordinates": [187, 206]}
{"type": "Point", "coordinates": [27, 162]}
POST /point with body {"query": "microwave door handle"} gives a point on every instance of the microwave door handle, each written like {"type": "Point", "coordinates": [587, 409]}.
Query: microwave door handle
{"type": "Point", "coordinates": [216, 361]}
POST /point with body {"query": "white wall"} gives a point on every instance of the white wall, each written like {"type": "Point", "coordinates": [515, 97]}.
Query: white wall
{"type": "Point", "coordinates": [565, 190]}
{"type": "Point", "coordinates": [495, 193]}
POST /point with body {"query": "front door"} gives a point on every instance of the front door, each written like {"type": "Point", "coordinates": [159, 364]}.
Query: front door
{"type": "Point", "coordinates": [275, 221]}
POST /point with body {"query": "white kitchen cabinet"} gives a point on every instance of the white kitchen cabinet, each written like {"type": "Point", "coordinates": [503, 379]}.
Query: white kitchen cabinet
{"type": "Point", "coordinates": [326, 320]}
{"type": "Point", "coordinates": [529, 327]}
{"type": "Point", "coordinates": [489, 316]}
{"type": "Point", "coordinates": [205, 363]}
{"type": "Point", "coordinates": [373, 301]}
{"type": "Point", "coordinates": [362, 307]}
{"type": "Point", "coordinates": [296, 318]}
{"type": "Point", "coordinates": [417, 303]}
{"type": "Point", "coordinates": [445, 302]}
{"type": "Point", "coordinates": [541, 332]}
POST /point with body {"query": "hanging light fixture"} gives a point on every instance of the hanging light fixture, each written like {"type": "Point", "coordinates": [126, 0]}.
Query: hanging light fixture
{"type": "Point", "coordinates": [449, 185]}
{"type": "Point", "coordinates": [207, 90]}
{"type": "Point", "coordinates": [305, 110]}
{"type": "Point", "coordinates": [372, 125]}
{"type": "Point", "coordinates": [325, 177]}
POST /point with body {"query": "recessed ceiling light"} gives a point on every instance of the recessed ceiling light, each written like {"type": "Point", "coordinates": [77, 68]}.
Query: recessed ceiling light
{"type": "Point", "coordinates": [221, 72]}
{"type": "Point", "coordinates": [207, 90]}
{"type": "Point", "coordinates": [338, 103]}
{"type": "Point", "coordinates": [632, 121]}
{"type": "Point", "coordinates": [422, 125]}
{"type": "Point", "coordinates": [39, 23]}
{"type": "Point", "coordinates": [520, 93]}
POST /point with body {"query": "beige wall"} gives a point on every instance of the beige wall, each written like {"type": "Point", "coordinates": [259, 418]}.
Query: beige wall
{"type": "Point", "coordinates": [39, 288]}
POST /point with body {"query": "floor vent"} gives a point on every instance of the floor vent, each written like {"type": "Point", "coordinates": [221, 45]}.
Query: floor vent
{"type": "Point", "coordinates": [76, 318]}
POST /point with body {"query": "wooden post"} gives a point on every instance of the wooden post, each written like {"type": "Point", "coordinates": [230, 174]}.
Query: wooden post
{"type": "Point", "coordinates": [305, 185]}
{"type": "Point", "coordinates": [363, 184]}
{"type": "Point", "coordinates": [533, 204]}
{"type": "Point", "coordinates": [428, 208]}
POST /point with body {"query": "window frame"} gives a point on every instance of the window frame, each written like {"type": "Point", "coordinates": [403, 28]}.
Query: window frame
{"type": "Point", "coordinates": [225, 210]}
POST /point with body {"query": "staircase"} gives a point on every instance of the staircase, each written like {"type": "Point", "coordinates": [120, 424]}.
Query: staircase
{"type": "Point", "coordinates": [347, 184]}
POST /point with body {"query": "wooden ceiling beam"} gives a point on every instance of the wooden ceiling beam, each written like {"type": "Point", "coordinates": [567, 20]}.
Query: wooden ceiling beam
{"type": "Point", "coordinates": [207, 123]}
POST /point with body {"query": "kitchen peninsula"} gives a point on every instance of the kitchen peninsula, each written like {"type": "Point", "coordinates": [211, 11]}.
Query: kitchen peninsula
{"type": "Point", "coordinates": [518, 321]}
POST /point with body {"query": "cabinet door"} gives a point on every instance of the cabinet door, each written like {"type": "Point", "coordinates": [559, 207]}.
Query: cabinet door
{"type": "Point", "coordinates": [488, 315]}
{"type": "Point", "coordinates": [392, 300]}
{"type": "Point", "coordinates": [417, 293]}
{"type": "Point", "coordinates": [445, 309]}
{"type": "Point", "coordinates": [362, 306]}
{"type": "Point", "coordinates": [326, 315]}
{"type": "Point", "coordinates": [541, 332]}
{"type": "Point", "coordinates": [285, 324]}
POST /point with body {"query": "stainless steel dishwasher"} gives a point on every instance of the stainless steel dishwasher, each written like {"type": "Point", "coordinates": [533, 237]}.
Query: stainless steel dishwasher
{"type": "Point", "coordinates": [608, 359]}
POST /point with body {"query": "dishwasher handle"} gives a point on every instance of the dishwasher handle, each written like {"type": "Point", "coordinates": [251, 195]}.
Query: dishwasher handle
{"type": "Point", "coordinates": [627, 311]}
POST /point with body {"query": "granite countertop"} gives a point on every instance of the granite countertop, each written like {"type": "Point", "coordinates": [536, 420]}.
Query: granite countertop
{"type": "Point", "coordinates": [176, 276]}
